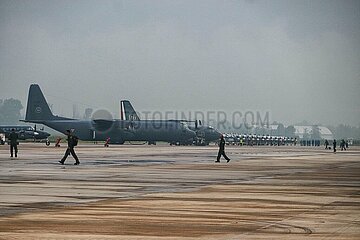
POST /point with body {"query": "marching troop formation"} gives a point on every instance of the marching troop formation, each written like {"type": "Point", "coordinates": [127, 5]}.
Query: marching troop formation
{"type": "Point", "coordinates": [257, 140]}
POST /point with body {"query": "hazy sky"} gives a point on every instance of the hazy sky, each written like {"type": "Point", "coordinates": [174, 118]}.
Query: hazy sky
{"type": "Point", "coordinates": [296, 59]}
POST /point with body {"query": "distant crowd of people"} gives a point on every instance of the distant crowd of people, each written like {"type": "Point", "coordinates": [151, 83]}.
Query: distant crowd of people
{"type": "Point", "coordinates": [258, 140]}
{"type": "Point", "coordinates": [311, 142]}
{"type": "Point", "coordinates": [343, 145]}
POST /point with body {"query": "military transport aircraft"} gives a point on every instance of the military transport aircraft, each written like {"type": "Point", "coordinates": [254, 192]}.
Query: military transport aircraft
{"type": "Point", "coordinates": [24, 132]}
{"type": "Point", "coordinates": [204, 134]}
{"type": "Point", "coordinates": [117, 130]}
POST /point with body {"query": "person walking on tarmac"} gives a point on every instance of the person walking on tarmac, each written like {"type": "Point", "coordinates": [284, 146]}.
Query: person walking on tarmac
{"type": "Point", "coordinates": [334, 145]}
{"type": "Point", "coordinates": [13, 139]}
{"type": "Point", "coordinates": [222, 150]}
{"type": "Point", "coordinates": [72, 142]}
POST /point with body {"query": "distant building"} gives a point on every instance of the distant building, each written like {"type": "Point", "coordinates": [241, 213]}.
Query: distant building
{"type": "Point", "coordinates": [301, 131]}
{"type": "Point", "coordinates": [307, 131]}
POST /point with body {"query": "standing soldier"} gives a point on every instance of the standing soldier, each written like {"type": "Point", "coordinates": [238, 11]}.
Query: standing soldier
{"type": "Point", "coordinates": [326, 144]}
{"type": "Point", "coordinates": [222, 150]}
{"type": "Point", "coordinates": [72, 142]}
{"type": "Point", "coordinates": [13, 139]}
{"type": "Point", "coordinates": [342, 145]}
{"type": "Point", "coordinates": [334, 145]}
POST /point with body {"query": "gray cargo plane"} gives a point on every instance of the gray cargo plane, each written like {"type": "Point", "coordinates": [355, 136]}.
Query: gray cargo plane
{"type": "Point", "coordinates": [204, 134]}
{"type": "Point", "coordinates": [117, 130]}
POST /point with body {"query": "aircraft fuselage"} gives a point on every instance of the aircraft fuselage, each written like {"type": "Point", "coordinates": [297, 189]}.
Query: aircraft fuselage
{"type": "Point", "coordinates": [121, 130]}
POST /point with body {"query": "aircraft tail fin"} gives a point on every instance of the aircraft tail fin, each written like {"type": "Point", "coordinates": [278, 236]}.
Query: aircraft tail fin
{"type": "Point", "coordinates": [37, 107]}
{"type": "Point", "coordinates": [127, 112]}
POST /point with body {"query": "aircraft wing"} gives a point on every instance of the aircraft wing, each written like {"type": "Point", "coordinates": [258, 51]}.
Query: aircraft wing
{"type": "Point", "coordinates": [181, 120]}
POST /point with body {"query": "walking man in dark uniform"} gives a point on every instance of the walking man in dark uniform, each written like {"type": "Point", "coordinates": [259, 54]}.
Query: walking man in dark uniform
{"type": "Point", "coordinates": [72, 142]}
{"type": "Point", "coordinates": [334, 145]}
{"type": "Point", "coordinates": [222, 150]}
{"type": "Point", "coordinates": [13, 139]}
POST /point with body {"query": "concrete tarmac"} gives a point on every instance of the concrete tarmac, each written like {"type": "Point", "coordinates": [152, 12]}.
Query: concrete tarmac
{"type": "Point", "coordinates": [164, 192]}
